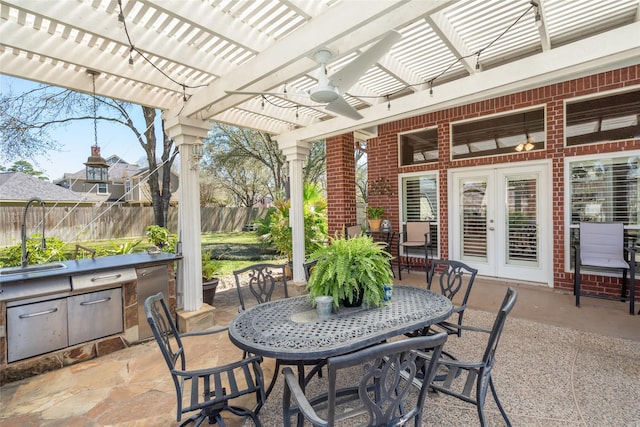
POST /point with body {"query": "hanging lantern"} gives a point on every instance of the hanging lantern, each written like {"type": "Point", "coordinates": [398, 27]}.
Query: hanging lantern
{"type": "Point", "coordinates": [97, 170]}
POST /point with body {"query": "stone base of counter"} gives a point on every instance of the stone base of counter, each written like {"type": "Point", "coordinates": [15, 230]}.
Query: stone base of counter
{"type": "Point", "coordinates": [69, 356]}
{"type": "Point", "coordinates": [196, 321]}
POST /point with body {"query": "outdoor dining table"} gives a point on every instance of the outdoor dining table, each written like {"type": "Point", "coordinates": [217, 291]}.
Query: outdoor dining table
{"type": "Point", "coordinates": [289, 329]}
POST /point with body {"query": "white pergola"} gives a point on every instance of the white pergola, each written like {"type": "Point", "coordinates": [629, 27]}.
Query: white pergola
{"type": "Point", "coordinates": [187, 54]}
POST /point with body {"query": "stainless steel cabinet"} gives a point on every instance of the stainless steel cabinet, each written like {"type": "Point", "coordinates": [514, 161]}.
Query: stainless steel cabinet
{"type": "Point", "coordinates": [151, 280]}
{"type": "Point", "coordinates": [36, 328]}
{"type": "Point", "coordinates": [94, 315]}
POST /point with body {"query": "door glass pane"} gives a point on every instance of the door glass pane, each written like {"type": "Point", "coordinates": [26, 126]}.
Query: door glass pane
{"type": "Point", "coordinates": [522, 233]}
{"type": "Point", "coordinates": [473, 203]}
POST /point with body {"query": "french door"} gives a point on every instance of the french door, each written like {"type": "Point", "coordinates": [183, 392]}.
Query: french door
{"type": "Point", "coordinates": [500, 221]}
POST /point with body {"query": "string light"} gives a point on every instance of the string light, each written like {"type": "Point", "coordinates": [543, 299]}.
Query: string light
{"type": "Point", "coordinates": [123, 23]}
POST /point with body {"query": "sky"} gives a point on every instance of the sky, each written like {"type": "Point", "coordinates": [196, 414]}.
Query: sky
{"type": "Point", "coordinates": [77, 138]}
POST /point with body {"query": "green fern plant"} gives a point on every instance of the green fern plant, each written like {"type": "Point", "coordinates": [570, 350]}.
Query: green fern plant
{"type": "Point", "coordinates": [346, 266]}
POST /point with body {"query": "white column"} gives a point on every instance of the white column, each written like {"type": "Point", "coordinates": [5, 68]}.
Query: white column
{"type": "Point", "coordinates": [187, 134]}
{"type": "Point", "coordinates": [296, 156]}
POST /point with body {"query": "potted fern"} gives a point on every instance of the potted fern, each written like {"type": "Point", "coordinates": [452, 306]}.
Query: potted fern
{"type": "Point", "coordinates": [351, 271]}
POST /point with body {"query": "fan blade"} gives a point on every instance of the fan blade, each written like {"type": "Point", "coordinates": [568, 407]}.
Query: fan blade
{"type": "Point", "coordinates": [351, 73]}
{"type": "Point", "coordinates": [342, 107]}
{"type": "Point", "coordinates": [280, 94]}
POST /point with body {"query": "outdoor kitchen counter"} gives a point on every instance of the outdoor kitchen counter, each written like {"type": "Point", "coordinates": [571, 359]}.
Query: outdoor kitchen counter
{"type": "Point", "coordinates": [62, 313]}
{"type": "Point", "coordinates": [14, 285]}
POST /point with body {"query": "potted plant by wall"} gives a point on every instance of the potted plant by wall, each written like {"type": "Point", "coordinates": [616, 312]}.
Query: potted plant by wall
{"type": "Point", "coordinates": [210, 269]}
{"type": "Point", "coordinates": [374, 216]}
{"type": "Point", "coordinates": [351, 271]}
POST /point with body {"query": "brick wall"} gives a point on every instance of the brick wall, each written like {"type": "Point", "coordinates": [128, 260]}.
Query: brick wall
{"type": "Point", "coordinates": [341, 178]}
{"type": "Point", "coordinates": [383, 158]}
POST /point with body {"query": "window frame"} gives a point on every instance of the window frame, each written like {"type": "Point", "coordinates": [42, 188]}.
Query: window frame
{"type": "Point", "coordinates": [572, 229]}
{"type": "Point", "coordinates": [586, 98]}
{"type": "Point", "coordinates": [413, 131]}
{"type": "Point", "coordinates": [435, 222]}
{"type": "Point", "coordinates": [99, 187]}
{"type": "Point", "coordinates": [504, 151]}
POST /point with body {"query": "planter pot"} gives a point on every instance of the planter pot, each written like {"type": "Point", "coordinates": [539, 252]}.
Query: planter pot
{"type": "Point", "coordinates": [209, 290]}
{"type": "Point", "coordinates": [374, 224]}
{"type": "Point", "coordinates": [324, 306]}
{"type": "Point", "coordinates": [358, 296]}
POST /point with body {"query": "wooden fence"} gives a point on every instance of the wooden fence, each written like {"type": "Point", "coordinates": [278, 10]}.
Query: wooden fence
{"type": "Point", "coordinates": [111, 222]}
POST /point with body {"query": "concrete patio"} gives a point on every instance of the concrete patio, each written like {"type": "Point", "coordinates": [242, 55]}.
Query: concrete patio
{"type": "Point", "coordinates": [557, 365]}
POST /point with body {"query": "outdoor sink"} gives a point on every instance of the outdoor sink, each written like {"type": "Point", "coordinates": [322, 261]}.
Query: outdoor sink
{"type": "Point", "coordinates": [38, 268]}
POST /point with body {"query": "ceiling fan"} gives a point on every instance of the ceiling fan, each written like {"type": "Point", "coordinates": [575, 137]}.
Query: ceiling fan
{"type": "Point", "coordinates": [330, 89]}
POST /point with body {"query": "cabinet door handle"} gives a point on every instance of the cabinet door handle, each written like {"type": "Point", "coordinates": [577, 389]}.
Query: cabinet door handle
{"type": "Point", "coordinates": [109, 276]}
{"type": "Point", "coordinates": [39, 313]}
{"type": "Point", "coordinates": [98, 301]}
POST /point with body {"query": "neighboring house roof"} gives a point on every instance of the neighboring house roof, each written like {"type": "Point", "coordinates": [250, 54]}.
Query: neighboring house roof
{"type": "Point", "coordinates": [117, 172]}
{"type": "Point", "coordinates": [17, 187]}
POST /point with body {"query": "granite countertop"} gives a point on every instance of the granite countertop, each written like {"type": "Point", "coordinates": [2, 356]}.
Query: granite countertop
{"type": "Point", "coordinates": [75, 267]}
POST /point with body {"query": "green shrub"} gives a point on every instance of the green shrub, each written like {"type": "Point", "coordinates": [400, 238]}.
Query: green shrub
{"type": "Point", "coordinates": [162, 238]}
{"type": "Point", "coordinates": [55, 250]}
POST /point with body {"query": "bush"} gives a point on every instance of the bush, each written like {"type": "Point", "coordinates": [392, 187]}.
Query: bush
{"type": "Point", "coordinates": [162, 238]}
{"type": "Point", "coordinates": [55, 250]}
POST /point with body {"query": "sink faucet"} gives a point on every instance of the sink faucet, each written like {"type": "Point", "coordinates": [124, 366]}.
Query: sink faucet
{"type": "Point", "coordinates": [23, 229]}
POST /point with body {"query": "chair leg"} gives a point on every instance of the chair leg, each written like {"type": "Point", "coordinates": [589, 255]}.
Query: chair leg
{"type": "Point", "coordinates": [576, 284]}
{"type": "Point", "coordinates": [273, 379]}
{"type": "Point", "coordinates": [399, 264]}
{"type": "Point", "coordinates": [495, 397]}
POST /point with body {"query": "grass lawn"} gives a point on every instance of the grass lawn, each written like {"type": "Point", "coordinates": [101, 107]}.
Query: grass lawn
{"type": "Point", "coordinates": [234, 250]}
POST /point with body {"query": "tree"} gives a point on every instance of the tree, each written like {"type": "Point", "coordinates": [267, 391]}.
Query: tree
{"type": "Point", "coordinates": [27, 168]}
{"type": "Point", "coordinates": [27, 118]}
{"type": "Point", "coordinates": [249, 164]}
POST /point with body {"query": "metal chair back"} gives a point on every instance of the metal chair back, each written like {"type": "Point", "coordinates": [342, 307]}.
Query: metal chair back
{"type": "Point", "coordinates": [262, 281]}
{"type": "Point", "coordinates": [455, 280]}
{"type": "Point", "coordinates": [385, 375]}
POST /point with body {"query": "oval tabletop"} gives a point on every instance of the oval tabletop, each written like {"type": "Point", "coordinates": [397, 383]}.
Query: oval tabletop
{"type": "Point", "coordinates": [289, 329]}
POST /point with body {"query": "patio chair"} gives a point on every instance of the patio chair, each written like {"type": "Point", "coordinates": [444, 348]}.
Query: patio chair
{"type": "Point", "coordinates": [416, 235]}
{"type": "Point", "coordinates": [601, 245]}
{"type": "Point", "coordinates": [353, 231]}
{"type": "Point", "coordinates": [379, 397]}
{"type": "Point", "coordinates": [262, 282]}
{"type": "Point", "coordinates": [209, 390]}
{"type": "Point", "coordinates": [469, 380]}
{"type": "Point", "coordinates": [454, 278]}
{"type": "Point", "coordinates": [308, 268]}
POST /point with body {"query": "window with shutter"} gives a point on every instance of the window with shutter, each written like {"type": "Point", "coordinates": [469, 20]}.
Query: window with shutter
{"type": "Point", "coordinates": [420, 203]}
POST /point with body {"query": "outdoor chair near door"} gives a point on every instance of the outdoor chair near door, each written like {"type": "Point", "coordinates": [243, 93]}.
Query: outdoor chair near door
{"type": "Point", "coordinates": [353, 231]}
{"type": "Point", "coordinates": [602, 246]}
{"type": "Point", "coordinates": [206, 390]}
{"type": "Point", "coordinates": [380, 394]}
{"type": "Point", "coordinates": [417, 235]}
{"type": "Point", "coordinates": [469, 380]}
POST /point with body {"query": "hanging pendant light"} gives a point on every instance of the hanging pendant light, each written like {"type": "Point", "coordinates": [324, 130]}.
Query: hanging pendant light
{"type": "Point", "coordinates": [97, 170]}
